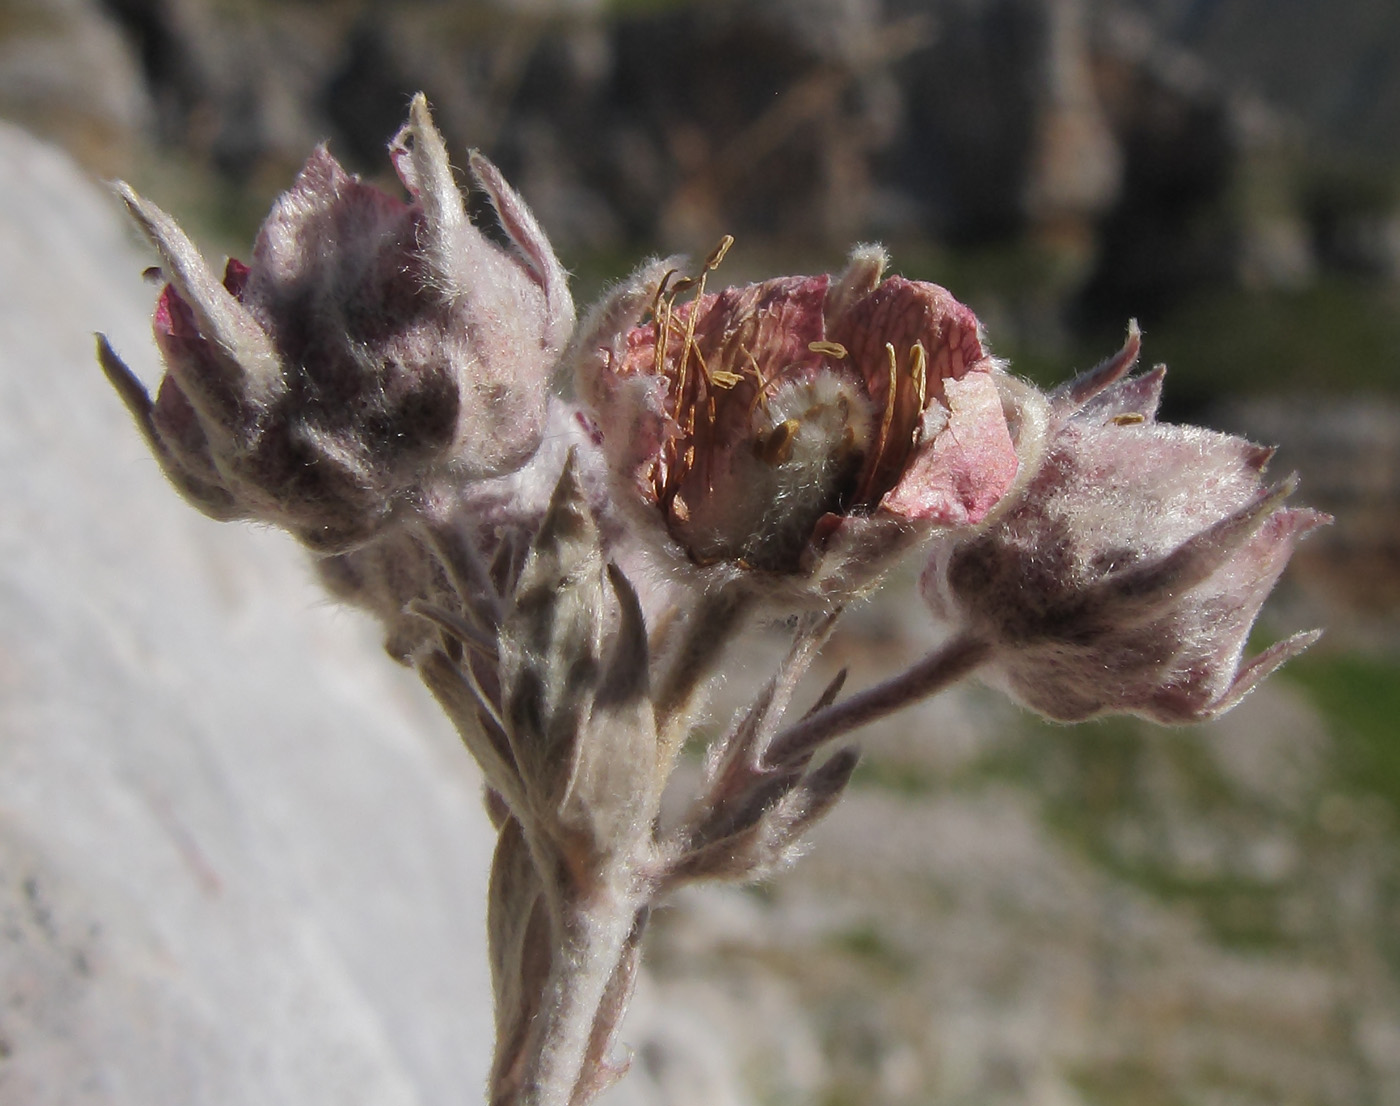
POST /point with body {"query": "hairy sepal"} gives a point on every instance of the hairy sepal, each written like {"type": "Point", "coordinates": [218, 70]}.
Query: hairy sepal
{"type": "Point", "coordinates": [576, 703]}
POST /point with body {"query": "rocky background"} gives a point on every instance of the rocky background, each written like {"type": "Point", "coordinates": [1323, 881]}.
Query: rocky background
{"type": "Point", "coordinates": [241, 861]}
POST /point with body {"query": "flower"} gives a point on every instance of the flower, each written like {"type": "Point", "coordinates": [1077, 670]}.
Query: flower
{"type": "Point", "coordinates": [765, 424]}
{"type": "Point", "coordinates": [1127, 575]}
{"type": "Point", "coordinates": [372, 349]}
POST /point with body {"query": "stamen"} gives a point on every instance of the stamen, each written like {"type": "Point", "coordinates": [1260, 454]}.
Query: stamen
{"type": "Point", "coordinates": [660, 292]}
{"type": "Point", "coordinates": [828, 349]}
{"type": "Point", "coordinates": [887, 418]}
{"type": "Point", "coordinates": [777, 446]}
{"type": "Point", "coordinates": [662, 317]}
{"type": "Point", "coordinates": [717, 254]}
{"type": "Point", "coordinates": [689, 343]}
{"type": "Point", "coordinates": [1129, 418]}
{"type": "Point", "coordinates": [760, 395]}
{"type": "Point", "coordinates": [918, 369]}
{"type": "Point", "coordinates": [682, 468]}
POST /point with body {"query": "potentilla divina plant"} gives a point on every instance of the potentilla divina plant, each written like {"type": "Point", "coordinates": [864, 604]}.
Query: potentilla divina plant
{"type": "Point", "coordinates": [567, 576]}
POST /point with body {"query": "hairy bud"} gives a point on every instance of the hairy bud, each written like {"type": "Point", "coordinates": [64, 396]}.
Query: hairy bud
{"type": "Point", "coordinates": [372, 349]}
{"type": "Point", "coordinates": [1127, 576]}
{"type": "Point", "coordinates": [575, 694]}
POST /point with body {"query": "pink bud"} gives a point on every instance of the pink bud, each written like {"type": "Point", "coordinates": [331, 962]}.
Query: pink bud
{"type": "Point", "coordinates": [1128, 574]}
{"type": "Point", "coordinates": [372, 350]}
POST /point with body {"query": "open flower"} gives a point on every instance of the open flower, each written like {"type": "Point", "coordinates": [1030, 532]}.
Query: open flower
{"type": "Point", "coordinates": [372, 347]}
{"type": "Point", "coordinates": [1127, 576]}
{"type": "Point", "coordinates": [764, 424]}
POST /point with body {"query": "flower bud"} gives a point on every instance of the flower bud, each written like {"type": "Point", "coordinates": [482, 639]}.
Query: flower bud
{"type": "Point", "coordinates": [575, 695]}
{"type": "Point", "coordinates": [756, 423]}
{"type": "Point", "coordinates": [372, 349]}
{"type": "Point", "coordinates": [1127, 575]}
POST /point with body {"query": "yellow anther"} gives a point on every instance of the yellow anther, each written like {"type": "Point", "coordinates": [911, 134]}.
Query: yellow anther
{"type": "Point", "coordinates": [1129, 418]}
{"type": "Point", "coordinates": [717, 254]}
{"type": "Point", "coordinates": [887, 418]}
{"type": "Point", "coordinates": [918, 369]}
{"type": "Point", "coordinates": [724, 379]}
{"type": "Point", "coordinates": [828, 349]}
{"type": "Point", "coordinates": [777, 446]}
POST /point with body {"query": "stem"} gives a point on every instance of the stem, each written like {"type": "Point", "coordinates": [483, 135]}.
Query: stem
{"type": "Point", "coordinates": [593, 938]}
{"type": "Point", "coordinates": [712, 625]}
{"type": "Point", "coordinates": [738, 765]}
{"type": "Point", "coordinates": [941, 668]}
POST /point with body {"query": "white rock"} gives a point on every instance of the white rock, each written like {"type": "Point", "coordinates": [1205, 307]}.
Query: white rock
{"type": "Point", "coordinates": [242, 859]}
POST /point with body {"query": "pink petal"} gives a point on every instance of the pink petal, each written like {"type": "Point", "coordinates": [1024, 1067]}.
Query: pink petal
{"type": "Point", "coordinates": [958, 477]}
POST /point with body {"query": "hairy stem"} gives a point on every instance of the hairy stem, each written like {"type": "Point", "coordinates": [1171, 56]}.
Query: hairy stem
{"type": "Point", "coordinates": [940, 669]}
{"type": "Point", "coordinates": [593, 936]}
{"type": "Point", "coordinates": [715, 621]}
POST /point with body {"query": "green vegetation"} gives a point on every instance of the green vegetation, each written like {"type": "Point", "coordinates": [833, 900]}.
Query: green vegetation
{"type": "Point", "coordinates": [1360, 696]}
{"type": "Point", "coordinates": [1126, 1084]}
{"type": "Point", "coordinates": [1119, 792]}
{"type": "Point", "coordinates": [871, 948]}
{"type": "Point", "coordinates": [904, 778]}
{"type": "Point", "coordinates": [1339, 334]}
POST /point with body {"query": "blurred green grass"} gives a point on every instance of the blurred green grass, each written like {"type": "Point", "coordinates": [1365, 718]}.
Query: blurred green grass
{"type": "Point", "coordinates": [1359, 695]}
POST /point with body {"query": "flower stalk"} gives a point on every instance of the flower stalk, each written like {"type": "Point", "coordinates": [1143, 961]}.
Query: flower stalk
{"type": "Point", "coordinates": [941, 669]}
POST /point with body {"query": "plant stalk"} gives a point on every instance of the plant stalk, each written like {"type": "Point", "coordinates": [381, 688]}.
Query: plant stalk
{"type": "Point", "coordinates": [593, 937]}
{"type": "Point", "coordinates": [941, 668]}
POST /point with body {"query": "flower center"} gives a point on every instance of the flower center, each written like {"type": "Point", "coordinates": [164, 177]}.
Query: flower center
{"type": "Point", "coordinates": [769, 426]}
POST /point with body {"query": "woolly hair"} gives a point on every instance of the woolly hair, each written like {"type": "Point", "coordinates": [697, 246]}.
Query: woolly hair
{"type": "Point", "coordinates": [808, 440]}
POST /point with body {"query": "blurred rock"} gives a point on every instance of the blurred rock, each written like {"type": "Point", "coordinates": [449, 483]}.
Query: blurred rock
{"type": "Point", "coordinates": [1115, 134]}
{"type": "Point", "coordinates": [1347, 450]}
{"type": "Point", "coordinates": [241, 858]}
{"type": "Point", "coordinates": [1336, 66]}
{"type": "Point", "coordinates": [67, 72]}
{"type": "Point", "coordinates": [1172, 230]}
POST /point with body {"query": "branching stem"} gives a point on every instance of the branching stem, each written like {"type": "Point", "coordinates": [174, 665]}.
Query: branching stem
{"type": "Point", "coordinates": [941, 668]}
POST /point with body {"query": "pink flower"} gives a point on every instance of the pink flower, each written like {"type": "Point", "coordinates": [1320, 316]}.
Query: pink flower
{"type": "Point", "coordinates": [765, 424]}
{"type": "Point", "coordinates": [1127, 576]}
{"type": "Point", "coordinates": [372, 350]}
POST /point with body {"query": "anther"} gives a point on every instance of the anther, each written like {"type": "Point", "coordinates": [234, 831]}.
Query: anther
{"type": "Point", "coordinates": [888, 417]}
{"type": "Point", "coordinates": [717, 254]}
{"type": "Point", "coordinates": [777, 446]}
{"type": "Point", "coordinates": [918, 369]}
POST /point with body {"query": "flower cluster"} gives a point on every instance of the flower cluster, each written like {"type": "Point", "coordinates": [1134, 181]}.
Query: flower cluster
{"type": "Point", "coordinates": [566, 575]}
